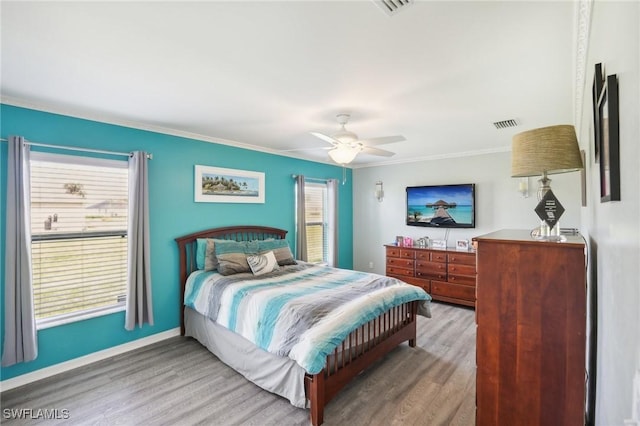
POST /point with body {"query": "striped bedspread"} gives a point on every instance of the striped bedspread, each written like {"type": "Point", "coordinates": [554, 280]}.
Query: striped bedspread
{"type": "Point", "coordinates": [301, 311]}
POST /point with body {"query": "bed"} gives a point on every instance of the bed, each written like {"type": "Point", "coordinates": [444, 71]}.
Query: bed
{"type": "Point", "coordinates": [314, 385]}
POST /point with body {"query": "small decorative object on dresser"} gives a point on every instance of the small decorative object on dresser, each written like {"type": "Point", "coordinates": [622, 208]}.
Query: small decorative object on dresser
{"type": "Point", "coordinates": [448, 275]}
{"type": "Point", "coordinates": [462, 245]}
{"type": "Point", "coordinates": [440, 244]}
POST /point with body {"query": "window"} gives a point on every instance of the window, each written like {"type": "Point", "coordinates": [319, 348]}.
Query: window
{"type": "Point", "coordinates": [79, 211]}
{"type": "Point", "coordinates": [316, 224]}
{"type": "Point", "coordinates": [319, 223]}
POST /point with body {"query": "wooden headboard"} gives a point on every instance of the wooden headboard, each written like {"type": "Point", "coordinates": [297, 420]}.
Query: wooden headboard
{"type": "Point", "coordinates": [187, 249]}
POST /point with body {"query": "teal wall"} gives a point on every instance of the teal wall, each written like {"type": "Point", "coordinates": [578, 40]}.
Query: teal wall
{"type": "Point", "coordinates": [173, 214]}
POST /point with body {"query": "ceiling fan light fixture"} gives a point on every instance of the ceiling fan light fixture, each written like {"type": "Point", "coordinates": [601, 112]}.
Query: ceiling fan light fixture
{"type": "Point", "coordinates": [344, 154]}
{"type": "Point", "coordinates": [345, 136]}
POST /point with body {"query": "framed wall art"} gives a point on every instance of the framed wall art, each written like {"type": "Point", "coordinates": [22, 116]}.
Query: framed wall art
{"type": "Point", "coordinates": [220, 185]}
{"type": "Point", "coordinates": [598, 83]}
{"type": "Point", "coordinates": [609, 147]}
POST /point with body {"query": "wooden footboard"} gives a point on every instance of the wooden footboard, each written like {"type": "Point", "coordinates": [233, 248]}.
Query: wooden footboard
{"type": "Point", "coordinates": [362, 347]}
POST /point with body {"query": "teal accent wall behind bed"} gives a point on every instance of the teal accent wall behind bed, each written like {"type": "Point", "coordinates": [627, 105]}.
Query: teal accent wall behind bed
{"type": "Point", "coordinates": [173, 213]}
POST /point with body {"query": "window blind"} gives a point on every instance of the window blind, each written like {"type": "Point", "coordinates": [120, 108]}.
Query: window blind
{"type": "Point", "coordinates": [316, 218]}
{"type": "Point", "coordinates": [79, 209]}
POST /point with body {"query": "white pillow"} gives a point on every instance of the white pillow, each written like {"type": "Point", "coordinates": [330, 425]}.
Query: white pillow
{"type": "Point", "coordinates": [263, 263]}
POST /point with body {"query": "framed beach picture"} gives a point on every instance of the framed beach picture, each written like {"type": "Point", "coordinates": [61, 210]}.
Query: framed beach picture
{"type": "Point", "coordinates": [220, 185]}
{"type": "Point", "coordinates": [609, 141]}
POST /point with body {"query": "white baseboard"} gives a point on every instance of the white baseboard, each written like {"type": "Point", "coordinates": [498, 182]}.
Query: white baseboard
{"type": "Point", "coordinates": [84, 360]}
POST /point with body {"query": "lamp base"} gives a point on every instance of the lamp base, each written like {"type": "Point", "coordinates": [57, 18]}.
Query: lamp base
{"type": "Point", "coordinates": [545, 233]}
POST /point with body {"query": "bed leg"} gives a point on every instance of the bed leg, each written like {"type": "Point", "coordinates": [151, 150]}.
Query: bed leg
{"type": "Point", "coordinates": [317, 399]}
{"type": "Point", "coordinates": [414, 332]}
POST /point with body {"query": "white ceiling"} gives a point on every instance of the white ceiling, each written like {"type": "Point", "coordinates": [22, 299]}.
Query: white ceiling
{"type": "Point", "coordinates": [263, 74]}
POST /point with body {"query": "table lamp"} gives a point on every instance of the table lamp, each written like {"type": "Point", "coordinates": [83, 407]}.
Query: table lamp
{"type": "Point", "coordinates": [542, 152]}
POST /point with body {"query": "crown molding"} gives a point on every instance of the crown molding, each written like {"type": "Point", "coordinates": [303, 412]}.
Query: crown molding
{"type": "Point", "coordinates": [118, 121]}
{"type": "Point", "coordinates": [438, 157]}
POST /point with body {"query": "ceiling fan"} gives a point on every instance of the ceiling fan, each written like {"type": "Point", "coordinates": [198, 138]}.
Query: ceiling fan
{"type": "Point", "coordinates": [346, 144]}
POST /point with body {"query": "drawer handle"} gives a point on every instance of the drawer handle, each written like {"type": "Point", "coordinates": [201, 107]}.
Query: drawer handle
{"type": "Point", "coordinates": [452, 278]}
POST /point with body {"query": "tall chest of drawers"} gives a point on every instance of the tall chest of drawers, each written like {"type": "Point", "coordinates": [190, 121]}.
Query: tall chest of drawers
{"type": "Point", "coordinates": [447, 275]}
{"type": "Point", "coordinates": [531, 330]}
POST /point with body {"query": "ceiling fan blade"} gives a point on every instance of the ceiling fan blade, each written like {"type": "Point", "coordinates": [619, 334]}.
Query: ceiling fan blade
{"type": "Point", "coordinates": [382, 140]}
{"type": "Point", "coordinates": [326, 138]}
{"type": "Point", "coordinates": [311, 148]}
{"type": "Point", "coordinates": [377, 151]}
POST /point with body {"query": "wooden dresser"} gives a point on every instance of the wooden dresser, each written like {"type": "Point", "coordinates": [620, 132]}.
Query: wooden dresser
{"type": "Point", "coordinates": [531, 330]}
{"type": "Point", "coordinates": [447, 275]}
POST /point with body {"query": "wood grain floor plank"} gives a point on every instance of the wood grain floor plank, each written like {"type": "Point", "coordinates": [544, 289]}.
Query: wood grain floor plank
{"type": "Point", "coordinates": [177, 381]}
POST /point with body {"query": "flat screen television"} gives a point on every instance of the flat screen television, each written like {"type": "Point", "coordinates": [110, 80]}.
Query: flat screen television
{"type": "Point", "coordinates": [442, 206]}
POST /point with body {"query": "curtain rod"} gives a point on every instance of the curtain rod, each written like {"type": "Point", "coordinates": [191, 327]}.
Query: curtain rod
{"type": "Point", "coordinates": [312, 178]}
{"type": "Point", "coordinates": [74, 148]}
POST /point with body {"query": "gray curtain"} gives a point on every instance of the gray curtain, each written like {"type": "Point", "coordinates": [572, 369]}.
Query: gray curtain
{"type": "Point", "coordinates": [332, 196]}
{"type": "Point", "coordinates": [139, 300]}
{"type": "Point", "coordinates": [301, 227]}
{"type": "Point", "coordinates": [20, 334]}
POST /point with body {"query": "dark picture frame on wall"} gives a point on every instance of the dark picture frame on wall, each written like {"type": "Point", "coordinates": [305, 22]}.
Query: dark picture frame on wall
{"type": "Point", "coordinates": [598, 83]}
{"type": "Point", "coordinates": [609, 147]}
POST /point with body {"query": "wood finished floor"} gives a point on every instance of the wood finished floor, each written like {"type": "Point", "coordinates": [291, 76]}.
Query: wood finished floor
{"type": "Point", "coordinates": [178, 382]}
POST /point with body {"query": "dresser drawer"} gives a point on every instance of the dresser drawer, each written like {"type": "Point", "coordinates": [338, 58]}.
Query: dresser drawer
{"type": "Point", "coordinates": [399, 272]}
{"type": "Point", "coordinates": [423, 255]}
{"type": "Point", "coordinates": [438, 257]}
{"type": "Point", "coordinates": [393, 252]}
{"type": "Point", "coordinates": [418, 282]}
{"type": "Point", "coordinates": [431, 267]}
{"type": "Point", "coordinates": [407, 254]}
{"type": "Point", "coordinates": [439, 288]}
{"type": "Point", "coordinates": [462, 279]}
{"type": "Point", "coordinates": [459, 269]}
{"type": "Point", "coordinates": [432, 270]}
{"type": "Point", "coordinates": [427, 275]}
{"type": "Point", "coordinates": [400, 263]}
{"type": "Point", "coordinates": [462, 258]}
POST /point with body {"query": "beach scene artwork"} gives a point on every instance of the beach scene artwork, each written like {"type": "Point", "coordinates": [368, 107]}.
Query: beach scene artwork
{"type": "Point", "coordinates": [214, 184]}
{"type": "Point", "coordinates": [445, 206]}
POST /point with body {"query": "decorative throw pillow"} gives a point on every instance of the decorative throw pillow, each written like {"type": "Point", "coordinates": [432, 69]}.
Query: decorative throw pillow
{"type": "Point", "coordinates": [210, 259]}
{"type": "Point", "coordinates": [201, 249]}
{"type": "Point", "coordinates": [261, 264]}
{"type": "Point", "coordinates": [280, 249]}
{"type": "Point", "coordinates": [205, 254]}
{"type": "Point", "coordinates": [232, 255]}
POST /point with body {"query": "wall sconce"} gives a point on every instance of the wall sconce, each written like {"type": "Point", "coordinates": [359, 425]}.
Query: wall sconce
{"type": "Point", "coordinates": [379, 191]}
{"type": "Point", "coordinates": [523, 187]}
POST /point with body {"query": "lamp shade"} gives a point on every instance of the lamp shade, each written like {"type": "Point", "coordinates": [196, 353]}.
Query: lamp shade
{"type": "Point", "coordinates": [344, 154]}
{"type": "Point", "coordinates": [549, 150]}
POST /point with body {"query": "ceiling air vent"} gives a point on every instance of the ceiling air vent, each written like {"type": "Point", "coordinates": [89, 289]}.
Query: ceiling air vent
{"type": "Point", "coordinates": [505, 124]}
{"type": "Point", "coordinates": [391, 7]}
